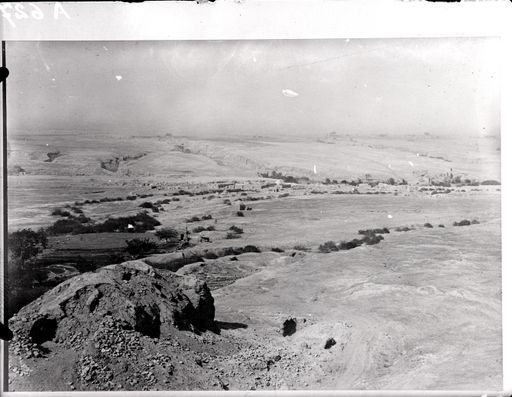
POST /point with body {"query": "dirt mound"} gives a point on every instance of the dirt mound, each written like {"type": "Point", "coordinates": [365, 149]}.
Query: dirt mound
{"type": "Point", "coordinates": [140, 298]}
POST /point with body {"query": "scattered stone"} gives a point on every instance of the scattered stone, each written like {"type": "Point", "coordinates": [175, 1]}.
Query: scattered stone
{"type": "Point", "coordinates": [289, 327]}
{"type": "Point", "coordinates": [329, 343]}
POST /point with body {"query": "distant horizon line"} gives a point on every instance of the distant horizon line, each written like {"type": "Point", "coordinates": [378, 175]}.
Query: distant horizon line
{"type": "Point", "coordinates": [248, 134]}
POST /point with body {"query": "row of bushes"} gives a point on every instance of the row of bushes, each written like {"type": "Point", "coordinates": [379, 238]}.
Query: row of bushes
{"type": "Point", "coordinates": [234, 232]}
{"type": "Point", "coordinates": [368, 232]}
{"type": "Point", "coordinates": [157, 205]}
{"type": "Point", "coordinates": [198, 219]}
{"type": "Point", "coordinates": [331, 246]}
{"type": "Point", "coordinates": [466, 222]}
{"type": "Point", "coordinates": [200, 229]}
{"type": "Point", "coordinates": [229, 251]}
{"type": "Point", "coordinates": [78, 225]}
{"type": "Point", "coordinates": [285, 178]}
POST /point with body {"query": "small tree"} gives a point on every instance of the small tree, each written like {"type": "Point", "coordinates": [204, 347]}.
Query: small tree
{"type": "Point", "coordinates": [140, 247]}
{"type": "Point", "coordinates": [167, 233]}
{"type": "Point", "coordinates": [26, 243]}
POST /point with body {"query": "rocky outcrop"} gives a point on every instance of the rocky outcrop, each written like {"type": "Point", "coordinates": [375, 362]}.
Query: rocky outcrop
{"type": "Point", "coordinates": [154, 303]}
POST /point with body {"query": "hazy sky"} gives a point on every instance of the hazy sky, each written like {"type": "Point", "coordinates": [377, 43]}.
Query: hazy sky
{"type": "Point", "coordinates": [400, 86]}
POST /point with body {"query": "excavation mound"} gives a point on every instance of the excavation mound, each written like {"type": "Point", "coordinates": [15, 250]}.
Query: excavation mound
{"type": "Point", "coordinates": [135, 296]}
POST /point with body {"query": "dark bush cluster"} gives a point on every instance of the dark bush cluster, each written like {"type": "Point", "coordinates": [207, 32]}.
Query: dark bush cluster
{"type": "Point", "coordinates": [490, 182]}
{"type": "Point", "coordinates": [383, 230]}
{"type": "Point", "coordinates": [112, 199]}
{"type": "Point", "coordinates": [60, 212]}
{"type": "Point", "coordinates": [77, 225]}
{"type": "Point", "coordinates": [236, 250]}
{"type": "Point", "coordinates": [198, 219]}
{"type": "Point", "coordinates": [428, 225]}
{"type": "Point", "coordinates": [236, 229]}
{"type": "Point", "coordinates": [463, 222]}
{"type": "Point", "coordinates": [232, 236]}
{"type": "Point", "coordinates": [300, 247]}
{"type": "Point", "coordinates": [210, 255]}
{"type": "Point", "coordinates": [252, 198]}
{"type": "Point", "coordinates": [26, 243]}
{"type": "Point", "coordinates": [368, 239]}
{"type": "Point", "coordinates": [138, 248]}
{"type": "Point", "coordinates": [285, 178]}
{"type": "Point", "coordinates": [239, 213]}
{"type": "Point", "coordinates": [167, 234]}
{"type": "Point", "coordinates": [328, 246]}
{"type": "Point", "coordinates": [276, 249]}
{"type": "Point", "coordinates": [403, 229]}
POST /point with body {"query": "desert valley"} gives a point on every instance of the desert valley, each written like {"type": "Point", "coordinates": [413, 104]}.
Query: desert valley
{"type": "Point", "coordinates": [336, 261]}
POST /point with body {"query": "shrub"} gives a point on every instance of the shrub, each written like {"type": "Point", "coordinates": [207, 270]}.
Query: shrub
{"type": "Point", "coordinates": [206, 217]}
{"type": "Point", "coordinates": [231, 235]}
{"type": "Point", "coordinates": [348, 245]}
{"type": "Point", "coordinates": [131, 198]}
{"type": "Point", "coordinates": [474, 222]}
{"type": "Point", "coordinates": [230, 251]}
{"type": "Point", "coordinates": [26, 243]}
{"type": "Point", "coordinates": [242, 206]}
{"type": "Point", "coordinates": [490, 182]}
{"type": "Point", "coordinates": [193, 219]}
{"type": "Point", "coordinates": [142, 222]}
{"type": "Point", "coordinates": [464, 222]}
{"type": "Point", "coordinates": [428, 225]}
{"type": "Point", "coordinates": [146, 204]}
{"type": "Point", "coordinates": [140, 247]}
{"type": "Point", "coordinates": [327, 247]}
{"type": "Point", "coordinates": [283, 195]}
{"type": "Point", "coordinates": [198, 229]}
{"type": "Point", "coordinates": [210, 228]}
{"type": "Point", "coordinates": [383, 230]}
{"type": "Point", "coordinates": [276, 249]}
{"type": "Point", "coordinates": [210, 255]}
{"type": "Point", "coordinates": [403, 229]}
{"type": "Point", "coordinates": [227, 201]}
{"type": "Point", "coordinates": [167, 234]}
{"type": "Point", "coordinates": [81, 218]}
{"type": "Point", "coordinates": [300, 247]}
{"type": "Point", "coordinates": [236, 229]}
{"type": "Point", "coordinates": [441, 225]}
{"type": "Point", "coordinates": [66, 226]}
{"type": "Point", "coordinates": [60, 212]}
{"type": "Point", "coordinates": [251, 248]}
{"type": "Point", "coordinates": [239, 213]}
{"type": "Point", "coordinates": [372, 239]}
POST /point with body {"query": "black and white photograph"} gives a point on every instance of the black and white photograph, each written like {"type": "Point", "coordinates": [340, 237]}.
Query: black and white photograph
{"type": "Point", "coordinates": [278, 214]}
